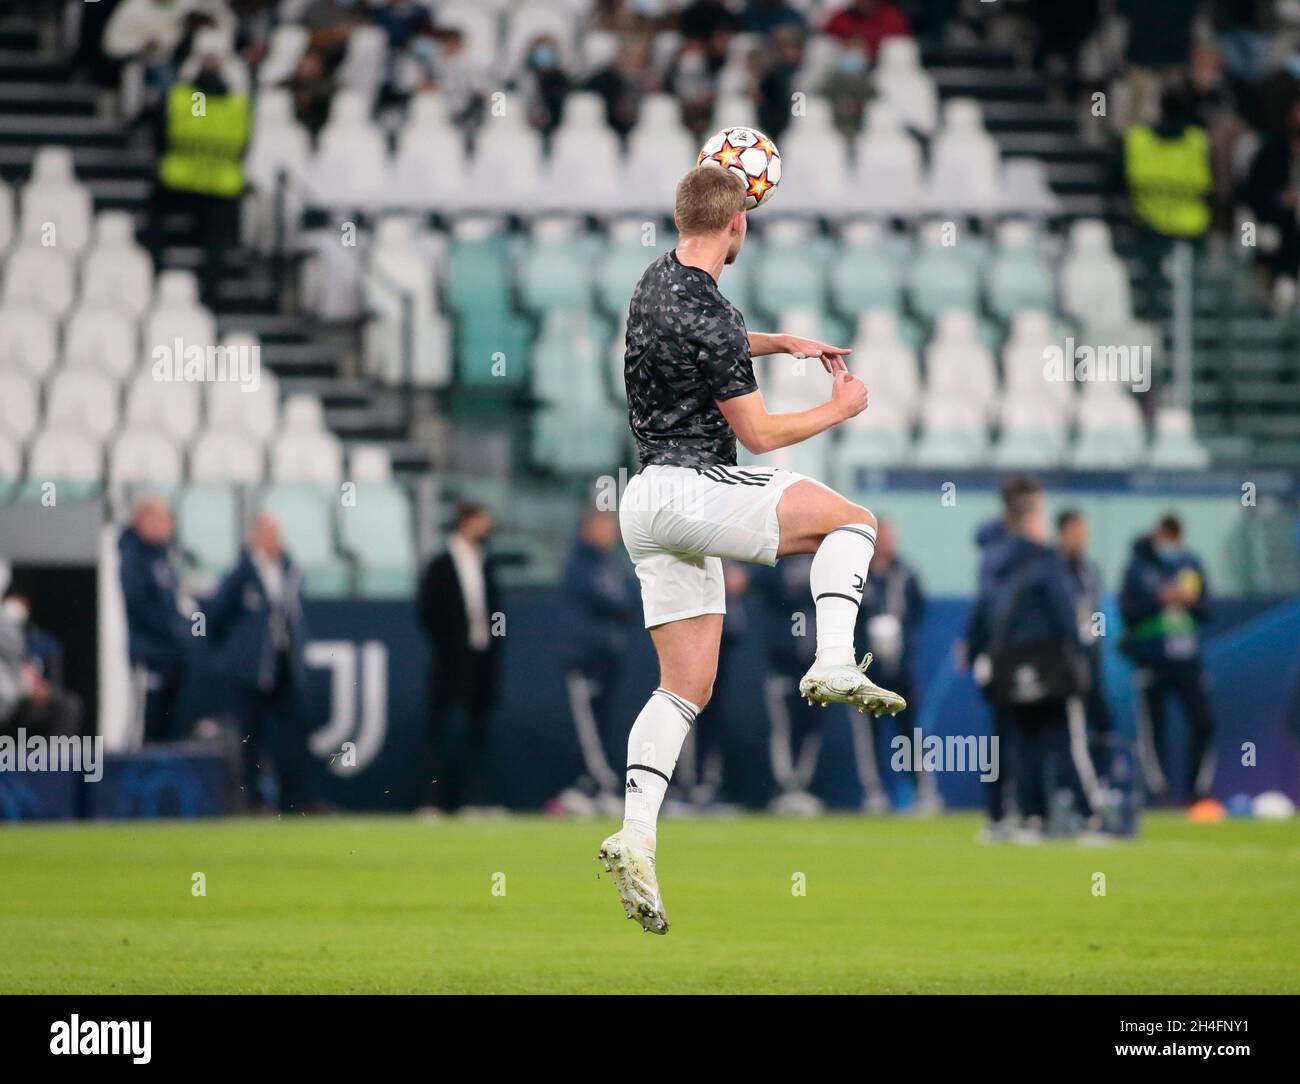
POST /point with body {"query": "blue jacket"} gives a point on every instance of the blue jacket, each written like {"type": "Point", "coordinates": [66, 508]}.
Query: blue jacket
{"type": "Point", "coordinates": [239, 625]}
{"type": "Point", "coordinates": [1154, 634]}
{"type": "Point", "coordinates": [1043, 611]}
{"type": "Point", "coordinates": [599, 604]}
{"type": "Point", "coordinates": [896, 592]}
{"type": "Point", "coordinates": [158, 634]}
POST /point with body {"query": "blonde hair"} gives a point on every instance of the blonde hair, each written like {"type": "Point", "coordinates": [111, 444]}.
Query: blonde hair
{"type": "Point", "coordinates": [707, 199]}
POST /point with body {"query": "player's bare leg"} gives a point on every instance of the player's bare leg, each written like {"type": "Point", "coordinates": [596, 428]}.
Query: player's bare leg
{"type": "Point", "coordinates": [688, 664]}
{"type": "Point", "coordinates": [842, 536]}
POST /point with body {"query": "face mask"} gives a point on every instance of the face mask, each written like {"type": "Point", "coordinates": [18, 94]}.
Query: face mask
{"type": "Point", "coordinates": [852, 64]}
{"type": "Point", "coordinates": [1293, 65]}
{"type": "Point", "coordinates": [543, 57]}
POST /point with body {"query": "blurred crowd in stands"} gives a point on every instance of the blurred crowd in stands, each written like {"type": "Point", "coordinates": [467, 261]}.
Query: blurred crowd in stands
{"type": "Point", "coordinates": [1213, 84]}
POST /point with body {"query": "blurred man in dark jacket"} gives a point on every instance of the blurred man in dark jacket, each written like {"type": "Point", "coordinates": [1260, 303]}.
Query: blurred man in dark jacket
{"type": "Point", "coordinates": [1024, 604]}
{"type": "Point", "coordinates": [1164, 602]}
{"type": "Point", "coordinates": [796, 729]}
{"type": "Point", "coordinates": [158, 633]}
{"type": "Point", "coordinates": [889, 624]}
{"type": "Point", "coordinates": [600, 608]}
{"type": "Point", "coordinates": [255, 622]}
{"type": "Point", "coordinates": [47, 706]}
{"type": "Point", "coordinates": [1083, 581]}
{"type": "Point", "coordinates": [458, 606]}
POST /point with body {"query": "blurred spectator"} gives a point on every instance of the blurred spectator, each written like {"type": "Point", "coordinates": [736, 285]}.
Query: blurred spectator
{"type": "Point", "coordinates": [1157, 53]}
{"type": "Point", "coordinates": [709, 21]}
{"type": "Point", "coordinates": [544, 84]}
{"type": "Point", "coordinates": [1164, 602]}
{"type": "Point", "coordinates": [255, 622]}
{"type": "Point", "coordinates": [1024, 644]}
{"type": "Point", "coordinates": [623, 83]}
{"type": "Point", "coordinates": [796, 729]}
{"type": "Point", "coordinates": [633, 16]}
{"type": "Point", "coordinates": [693, 78]}
{"type": "Point", "coordinates": [331, 23]}
{"type": "Point", "coordinates": [158, 633]}
{"type": "Point", "coordinates": [784, 55]}
{"type": "Point", "coordinates": [457, 603]}
{"type": "Point", "coordinates": [1267, 104]}
{"type": "Point", "coordinates": [201, 168]}
{"type": "Point", "coordinates": [1167, 168]}
{"type": "Point", "coordinates": [312, 88]}
{"type": "Point", "coordinates": [889, 621]}
{"type": "Point", "coordinates": [401, 20]}
{"type": "Point", "coordinates": [152, 30]}
{"type": "Point", "coordinates": [848, 87]}
{"type": "Point", "coordinates": [47, 707]}
{"type": "Point", "coordinates": [869, 21]}
{"type": "Point", "coordinates": [12, 653]}
{"type": "Point", "coordinates": [764, 16]}
{"type": "Point", "coordinates": [1083, 580]}
{"type": "Point", "coordinates": [1215, 109]}
{"type": "Point", "coordinates": [1273, 194]}
{"type": "Point", "coordinates": [1245, 29]}
{"type": "Point", "coordinates": [600, 610]}
{"type": "Point", "coordinates": [436, 60]}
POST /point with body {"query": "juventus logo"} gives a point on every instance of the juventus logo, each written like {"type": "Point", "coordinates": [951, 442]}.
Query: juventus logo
{"type": "Point", "coordinates": [859, 583]}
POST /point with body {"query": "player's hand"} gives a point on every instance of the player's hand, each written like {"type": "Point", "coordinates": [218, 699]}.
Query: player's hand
{"type": "Point", "coordinates": [849, 394]}
{"type": "Point", "coordinates": [832, 357]}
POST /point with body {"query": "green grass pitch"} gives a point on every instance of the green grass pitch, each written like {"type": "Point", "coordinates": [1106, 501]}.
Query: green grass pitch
{"type": "Point", "coordinates": [402, 905]}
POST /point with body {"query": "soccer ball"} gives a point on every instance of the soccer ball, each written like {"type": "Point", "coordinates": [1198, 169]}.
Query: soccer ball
{"type": "Point", "coordinates": [751, 156]}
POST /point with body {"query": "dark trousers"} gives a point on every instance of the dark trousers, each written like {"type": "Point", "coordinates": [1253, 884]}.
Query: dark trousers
{"type": "Point", "coordinates": [272, 723]}
{"type": "Point", "coordinates": [1186, 683]}
{"type": "Point", "coordinates": [1034, 758]}
{"type": "Point", "coordinates": [460, 735]}
{"type": "Point", "coordinates": [591, 685]}
{"type": "Point", "coordinates": [157, 693]}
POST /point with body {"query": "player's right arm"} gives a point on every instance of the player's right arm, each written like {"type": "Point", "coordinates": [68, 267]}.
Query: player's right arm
{"type": "Point", "coordinates": [762, 432]}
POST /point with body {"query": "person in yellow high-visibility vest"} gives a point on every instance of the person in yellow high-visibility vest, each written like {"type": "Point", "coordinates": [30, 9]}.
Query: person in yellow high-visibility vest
{"type": "Point", "coordinates": [1167, 168]}
{"type": "Point", "coordinates": [205, 129]}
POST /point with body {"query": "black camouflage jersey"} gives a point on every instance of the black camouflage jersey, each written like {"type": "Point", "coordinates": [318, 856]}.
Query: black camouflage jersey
{"type": "Point", "coordinates": [686, 348]}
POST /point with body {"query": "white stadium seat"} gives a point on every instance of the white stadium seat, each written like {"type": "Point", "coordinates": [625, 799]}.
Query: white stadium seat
{"type": "Point", "coordinates": [82, 399]}
{"type": "Point", "coordinates": [171, 406]}
{"type": "Point", "coordinates": [56, 208]}
{"type": "Point", "coordinates": [101, 338]}
{"type": "Point", "coordinates": [306, 451]}
{"type": "Point", "coordinates": [20, 411]}
{"type": "Point", "coordinates": [63, 454]}
{"type": "Point", "coordinates": [144, 455]}
{"type": "Point", "coordinates": [28, 339]}
{"type": "Point", "coordinates": [227, 456]}
{"type": "Point", "coordinates": [117, 272]}
{"type": "Point", "coordinates": [40, 278]}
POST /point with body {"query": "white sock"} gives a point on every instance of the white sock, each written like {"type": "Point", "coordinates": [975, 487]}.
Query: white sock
{"type": "Point", "coordinates": [838, 576]}
{"type": "Point", "coordinates": [652, 749]}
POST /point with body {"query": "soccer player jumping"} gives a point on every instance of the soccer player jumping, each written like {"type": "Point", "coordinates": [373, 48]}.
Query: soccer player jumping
{"type": "Point", "coordinates": [691, 393]}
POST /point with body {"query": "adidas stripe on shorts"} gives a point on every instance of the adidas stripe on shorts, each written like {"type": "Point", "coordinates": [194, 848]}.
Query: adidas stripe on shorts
{"type": "Point", "coordinates": [679, 523]}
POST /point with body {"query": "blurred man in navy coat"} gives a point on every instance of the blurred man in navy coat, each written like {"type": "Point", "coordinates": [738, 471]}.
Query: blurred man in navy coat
{"type": "Point", "coordinates": [255, 621]}
{"type": "Point", "coordinates": [600, 610]}
{"type": "Point", "coordinates": [158, 634]}
{"type": "Point", "coordinates": [1164, 602]}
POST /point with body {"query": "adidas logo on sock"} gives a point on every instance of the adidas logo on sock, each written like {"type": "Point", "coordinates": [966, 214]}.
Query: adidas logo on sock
{"type": "Point", "coordinates": [632, 786]}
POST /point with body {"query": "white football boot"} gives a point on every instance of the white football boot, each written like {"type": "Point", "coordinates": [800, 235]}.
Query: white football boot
{"type": "Point", "coordinates": [849, 685]}
{"type": "Point", "coordinates": [633, 870]}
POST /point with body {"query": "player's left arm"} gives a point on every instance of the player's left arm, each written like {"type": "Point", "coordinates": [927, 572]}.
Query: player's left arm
{"type": "Point", "coordinates": [831, 357]}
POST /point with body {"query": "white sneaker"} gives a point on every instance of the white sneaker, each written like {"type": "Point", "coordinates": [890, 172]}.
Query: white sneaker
{"type": "Point", "coordinates": [849, 685]}
{"type": "Point", "coordinates": [634, 876]}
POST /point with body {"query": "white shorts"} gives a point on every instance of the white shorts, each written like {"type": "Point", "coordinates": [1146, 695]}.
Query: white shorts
{"type": "Point", "coordinates": [679, 523]}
